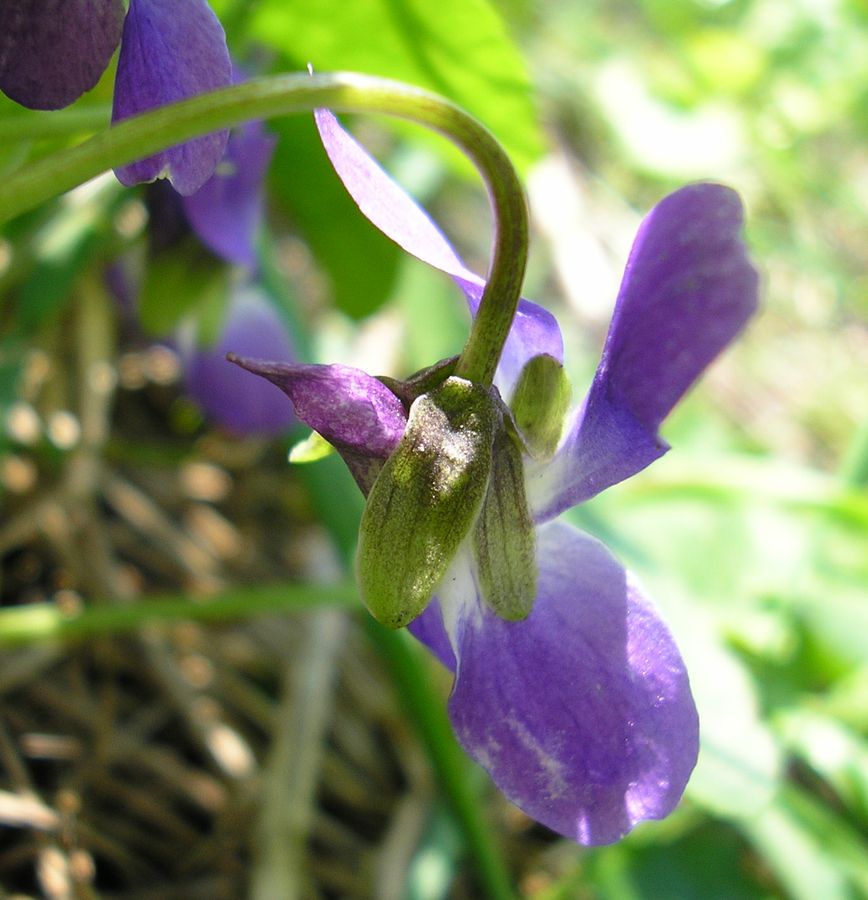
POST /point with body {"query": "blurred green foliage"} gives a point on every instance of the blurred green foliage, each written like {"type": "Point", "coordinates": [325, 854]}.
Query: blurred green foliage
{"type": "Point", "coordinates": [753, 533]}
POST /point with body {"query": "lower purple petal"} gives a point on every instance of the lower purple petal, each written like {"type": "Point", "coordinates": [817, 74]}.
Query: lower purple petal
{"type": "Point", "coordinates": [52, 51]}
{"type": "Point", "coordinates": [688, 289]}
{"type": "Point", "coordinates": [170, 51]}
{"type": "Point", "coordinates": [233, 398]}
{"type": "Point", "coordinates": [582, 713]}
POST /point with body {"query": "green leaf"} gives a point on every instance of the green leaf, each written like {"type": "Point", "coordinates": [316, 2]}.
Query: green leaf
{"type": "Point", "coordinates": [833, 751]}
{"type": "Point", "coordinates": [739, 765]}
{"type": "Point", "coordinates": [312, 449]}
{"type": "Point", "coordinates": [707, 862]}
{"type": "Point", "coordinates": [813, 851]}
{"type": "Point", "coordinates": [458, 48]}
{"type": "Point", "coordinates": [435, 314]}
{"type": "Point", "coordinates": [61, 248]}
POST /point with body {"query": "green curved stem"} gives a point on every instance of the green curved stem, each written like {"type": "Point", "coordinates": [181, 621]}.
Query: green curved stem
{"type": "Point", "coordinates": [264, 98]}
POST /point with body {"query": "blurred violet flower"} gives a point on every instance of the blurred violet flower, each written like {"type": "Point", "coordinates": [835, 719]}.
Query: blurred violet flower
{"type": "Point", "coordinates": [225, 214]}
{"type": "Point", "coordinates": [581, 712]}
{"type": "Point", "coordinates": [52, 51]}
{"type": "Point", "coordinates": [230, 397]}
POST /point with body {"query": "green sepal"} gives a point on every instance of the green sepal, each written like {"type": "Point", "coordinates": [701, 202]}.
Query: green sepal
{"type": "Point", "coordinates": [504, 543]}
{"type": "Point", "coordinates": [425, 500]}
{"type": "Point", "coordinates": [421, 382]}
{"type": "Point", "coordinates": [539, 404]}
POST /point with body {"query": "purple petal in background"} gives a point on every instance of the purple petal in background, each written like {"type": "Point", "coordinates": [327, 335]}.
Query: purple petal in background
{"type": "Point", "coordinates": [688, 290]}
{"type": "Point", "coordinates": [227, 210]}
{"type": "Point", "coordinates": [233, 398]}
{"type": "Point", "coordinates": [400, 218]}
{"type": "Point", "coordinates": [582, 713]}
{"type": "Point", "coordinates": [171, 50]}
{"type": "Point", "coordinates": [52, 51]}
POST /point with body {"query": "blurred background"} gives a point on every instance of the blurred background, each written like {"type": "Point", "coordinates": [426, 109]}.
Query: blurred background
{"type": "Point", "coordinates": [287, 748]}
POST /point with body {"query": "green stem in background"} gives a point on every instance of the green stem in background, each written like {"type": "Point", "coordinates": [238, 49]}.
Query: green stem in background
{"type": "Point", "coordinates": [264, 98]}
{"type": "Point", "coordinates": [28, 125]}
{"type": "Point", "coordinates": [36, 622]}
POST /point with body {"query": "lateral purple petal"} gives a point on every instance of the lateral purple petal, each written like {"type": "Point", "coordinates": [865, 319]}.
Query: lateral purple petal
{"type": "Point", "coordinates": [235, 399]}
{"type": "Point", "coordinates": [171, 51]}
{"type": "Point", "coordinates": [688, 290]}
{"type": "Point", "coordinates": [52, 51]}
{"type": "Point", "coordinates": [227, 210]}
{"type": "Point", "coordinates": [400, 218]}
{"type": "Point", "coordinates": [582, 713]}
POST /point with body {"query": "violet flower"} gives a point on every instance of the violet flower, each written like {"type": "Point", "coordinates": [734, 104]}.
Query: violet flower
{"type": "Point", "coordinates": [52, 51]}
{"type": "Point", "coordinates": [230, 397]}
{"type": "Point", "coordinates": [581, 712]}
{"type": "Point", "coordinates": [226, 214]}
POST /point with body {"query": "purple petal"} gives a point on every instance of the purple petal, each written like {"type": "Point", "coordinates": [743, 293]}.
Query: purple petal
{"type": "Point", "coordinates": [688, 290]}
{"type": "Point", "coordinates": [582, 713]}
{"type": "Point", "coordinates": [227, 210]}
{"type": "Point", "coordinates": [171, 51]}
{"type": "Point", "coordinates": [399, 217]}
{"type": "Point", "coordinates": [235, 399]}
{"type": "Point", "coordinates": [52, 51]}
{"type": "Point", "coordinates": [352, 410]}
